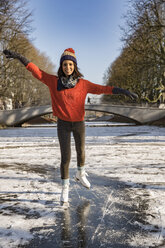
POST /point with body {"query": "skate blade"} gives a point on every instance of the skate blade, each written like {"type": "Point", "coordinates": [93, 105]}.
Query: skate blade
{"type": "Point", "coordinates": [64, 205]}
{"type": "Point", "coordinates": [77, 180]}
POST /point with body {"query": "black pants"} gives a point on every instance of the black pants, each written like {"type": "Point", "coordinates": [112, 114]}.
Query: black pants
{"type": "Point", "coordinates": [65, 128]}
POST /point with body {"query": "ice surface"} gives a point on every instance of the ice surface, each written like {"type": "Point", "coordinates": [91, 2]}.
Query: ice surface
{"type": "Point", "coordinates": [30, 160]}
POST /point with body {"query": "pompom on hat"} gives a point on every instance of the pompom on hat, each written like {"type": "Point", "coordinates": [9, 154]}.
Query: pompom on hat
{"type": "Point", "coordinates": [68, 54]}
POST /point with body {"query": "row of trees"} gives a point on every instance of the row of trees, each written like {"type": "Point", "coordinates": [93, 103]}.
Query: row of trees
{"type": "Point", "coordinates": [16, 82]}
{"type": "Point", "coordinates": [141, 64]}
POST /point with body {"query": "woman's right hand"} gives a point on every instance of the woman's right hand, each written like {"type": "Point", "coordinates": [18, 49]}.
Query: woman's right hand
{"type": "Point", "coordinates": [13, 55]}
{"type": "Point", "coordinates": [9, 54]}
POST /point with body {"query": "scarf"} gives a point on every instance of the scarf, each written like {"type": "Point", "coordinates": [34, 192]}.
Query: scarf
{"type": "Point", "coordinates": [66, 83]}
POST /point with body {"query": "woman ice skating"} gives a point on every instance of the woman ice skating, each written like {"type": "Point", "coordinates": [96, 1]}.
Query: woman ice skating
{"type": "Point", "coordinates": [68, 92]}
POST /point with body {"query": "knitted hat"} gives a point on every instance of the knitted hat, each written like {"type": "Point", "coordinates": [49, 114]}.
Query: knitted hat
{"type": "Point", "coordinates": [68, 54]}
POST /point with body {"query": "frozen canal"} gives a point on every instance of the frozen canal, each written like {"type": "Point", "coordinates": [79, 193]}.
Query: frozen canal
{"type": "Point", "coordinates": [125, 207]}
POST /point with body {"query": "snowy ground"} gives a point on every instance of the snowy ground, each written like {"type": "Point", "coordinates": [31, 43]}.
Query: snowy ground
{"type": "Point", "coordinates": [29, 166]}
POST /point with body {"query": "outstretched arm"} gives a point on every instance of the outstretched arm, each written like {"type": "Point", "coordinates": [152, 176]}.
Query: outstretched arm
{"type": "Point", "coordinates": [13, 55]}
{"type": "Point", "coordinates": [35, 70]}
{"type": "Point", "coordinates": [100, 89]}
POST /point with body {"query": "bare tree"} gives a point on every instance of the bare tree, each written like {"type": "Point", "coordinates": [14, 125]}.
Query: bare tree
{"type": "Point", "coordinates": [15, 81]}
{"type": "Point", "coordinates": [145, 35]}
{"type": "Point", "coordinates": [141, 64]}
{"type": "Point", "coordinates": [14, 23]}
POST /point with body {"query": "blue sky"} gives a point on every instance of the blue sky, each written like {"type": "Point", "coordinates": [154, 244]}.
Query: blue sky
{"type": "Point", "coordinates": [90, 27]}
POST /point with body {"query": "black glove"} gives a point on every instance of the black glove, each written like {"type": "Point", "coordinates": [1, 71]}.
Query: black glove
{"type": "Point", "coordinates": [9, 54]}
{"type": "Point", "coordinates": [117, 90]}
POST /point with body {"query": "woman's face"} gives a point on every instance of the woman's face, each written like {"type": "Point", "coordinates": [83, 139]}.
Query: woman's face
{"type": "Point", "coordinates": [68, 67]}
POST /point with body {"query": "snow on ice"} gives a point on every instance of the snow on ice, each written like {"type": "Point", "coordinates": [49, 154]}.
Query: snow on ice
{"type": "Point", "coordinates": [30, 159]}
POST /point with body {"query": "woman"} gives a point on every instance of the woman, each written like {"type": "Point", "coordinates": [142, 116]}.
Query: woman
{"type": "Point", "coordinates": [68, 91]}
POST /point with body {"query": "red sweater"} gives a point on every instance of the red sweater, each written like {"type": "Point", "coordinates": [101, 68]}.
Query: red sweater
{"type": "Point", "coordinates": [68, 104]}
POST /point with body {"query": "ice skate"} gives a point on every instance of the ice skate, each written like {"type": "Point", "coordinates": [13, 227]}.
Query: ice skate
{"type": "Point", "coordinates": [64, 196]}
{"type": "Point", "coordinates": [81, 177]}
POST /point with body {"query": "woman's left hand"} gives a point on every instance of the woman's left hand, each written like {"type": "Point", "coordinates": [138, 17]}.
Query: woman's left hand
{"type": "Point", "coordinates": [132, 95]}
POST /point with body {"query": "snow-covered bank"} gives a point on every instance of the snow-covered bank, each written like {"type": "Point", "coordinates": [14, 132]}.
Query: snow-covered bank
{"type": "Point", "coordinates": [29, 163]}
